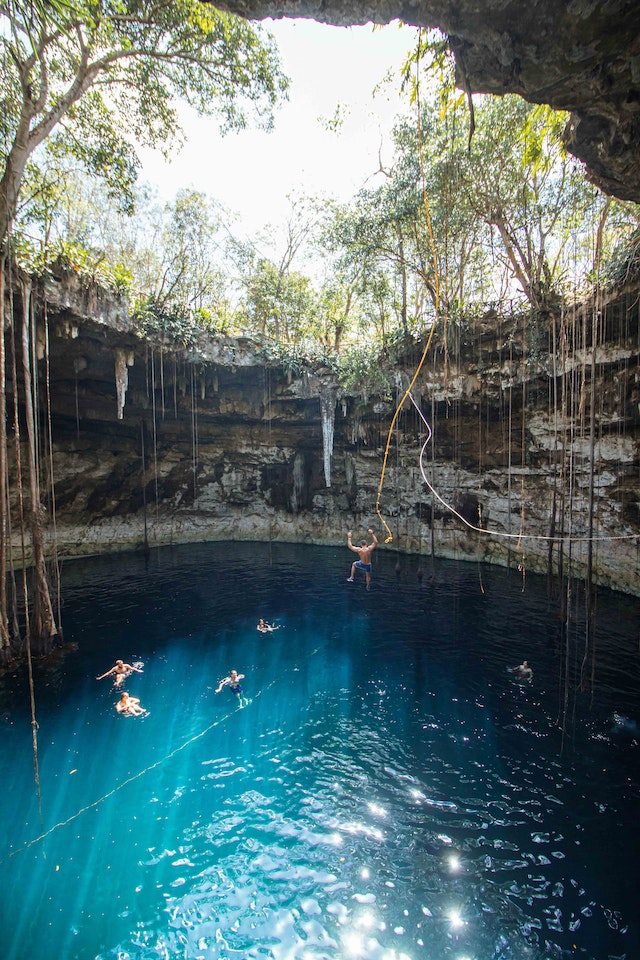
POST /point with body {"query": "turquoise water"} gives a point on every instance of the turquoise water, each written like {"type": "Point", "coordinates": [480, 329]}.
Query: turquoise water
{"type": "Point", "coordinates": [389, 792]}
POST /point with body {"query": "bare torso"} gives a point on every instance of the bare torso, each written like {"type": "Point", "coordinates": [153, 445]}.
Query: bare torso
{"type": "Point", "coordinates": [364, 554]}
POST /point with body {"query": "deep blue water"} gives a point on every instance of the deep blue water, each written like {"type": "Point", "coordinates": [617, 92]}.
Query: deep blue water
{"type": "Point", "coordinates": [390, 792]}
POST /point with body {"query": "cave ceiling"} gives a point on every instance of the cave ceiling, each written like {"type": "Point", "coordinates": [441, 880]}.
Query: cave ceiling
{"type": "Point", "coordinates": [577, 55]}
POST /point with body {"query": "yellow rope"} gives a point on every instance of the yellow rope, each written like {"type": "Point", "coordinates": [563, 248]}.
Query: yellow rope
{"type": "Point", "coordinates": [389, 537]}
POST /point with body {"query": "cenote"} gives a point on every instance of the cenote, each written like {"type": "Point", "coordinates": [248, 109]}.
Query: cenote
{"type": "Point", "coordinates": [390, 791]}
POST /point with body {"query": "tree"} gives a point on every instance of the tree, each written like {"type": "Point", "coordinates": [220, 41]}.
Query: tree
{"type": "Point", "coordinates": [279, 302]}
{"type": "Point", "coordinates": [509, 207]}
{"type": "Point", "coordinates": [373, 241]}
{"type": "Point", "coordinates": [452, 242]}
{"type": "Point", "coordinates": [280, 306]}
{"type": "Point", "coordinates": [186, 275]}
{"type": "Point", "coordinates": [98, 73]}
{"type": "Point", "coordinates": [337, 311]}
{"type": "Point", "coordinates": [501, 222]}
{"type": "Point", "coordinates": [179, 271]}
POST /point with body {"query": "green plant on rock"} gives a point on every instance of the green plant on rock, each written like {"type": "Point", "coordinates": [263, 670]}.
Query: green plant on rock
{"type": "Point", "coordinates": [624, 264]}
{"type": "Point", "coordinates": [361, 373]}
{"type": "Point", "coordinates": [153, 320]}
{"type": "Point", "coordinates": [121, 279]}
{"type": "Point", "coordinates": [89, 265]}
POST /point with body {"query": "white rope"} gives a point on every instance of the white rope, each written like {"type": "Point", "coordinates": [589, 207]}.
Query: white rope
{"type": "Point", "coordinates": [498, 533]}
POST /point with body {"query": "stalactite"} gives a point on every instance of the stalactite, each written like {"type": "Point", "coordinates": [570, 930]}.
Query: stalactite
{"type": "Point", "coordinates": [327, 415]}
{"type": "Point", "coordinates": [267, 402]}
{"type": "Point", "coordinates": [76, 371]}
{"type": "Point", "coordinates": [124, 360]}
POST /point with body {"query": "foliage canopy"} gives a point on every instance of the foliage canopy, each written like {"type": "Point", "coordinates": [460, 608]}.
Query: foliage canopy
{"type": "Point", "coordinates": [97, 76]}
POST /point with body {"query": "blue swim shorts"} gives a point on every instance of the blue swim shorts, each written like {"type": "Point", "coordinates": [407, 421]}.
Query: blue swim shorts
{"type": "Point", "coordinates": [363, 566]}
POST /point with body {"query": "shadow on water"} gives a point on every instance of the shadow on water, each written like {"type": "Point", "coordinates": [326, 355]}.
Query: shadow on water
{"type": "Point", "coordinates": [390, 791]}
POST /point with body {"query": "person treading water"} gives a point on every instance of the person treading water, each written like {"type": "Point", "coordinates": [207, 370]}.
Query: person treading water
{"type": "Point", "coordinates": [233, 682]}
{"type": "Point", "coordinates": [523, 671]}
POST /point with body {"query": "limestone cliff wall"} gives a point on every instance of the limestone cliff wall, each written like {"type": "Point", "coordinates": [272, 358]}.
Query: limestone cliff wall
{"type": "Point", "coordinates": [163, 444]}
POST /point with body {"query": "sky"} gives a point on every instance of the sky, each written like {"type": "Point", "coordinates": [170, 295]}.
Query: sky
{"type": "Point", "coordinates": [253, 172]}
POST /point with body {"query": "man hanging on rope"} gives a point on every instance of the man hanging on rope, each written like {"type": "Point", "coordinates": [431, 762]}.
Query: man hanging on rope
{"type": "Point", "coordinates": [364, 552]}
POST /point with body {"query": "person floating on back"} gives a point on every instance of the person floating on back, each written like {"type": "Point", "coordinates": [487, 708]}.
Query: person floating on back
{"type": "Point", "coordinates": [265, 627]}
{"type": "Point", "coordinates": [364, 553]}
{"type": "Point", "coordinates": [233, 682]}
{"type": "Point", "coordinates": [120, 672]}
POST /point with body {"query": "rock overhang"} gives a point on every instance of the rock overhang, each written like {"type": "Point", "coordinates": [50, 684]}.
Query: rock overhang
{"type": "Point", "coordinates": [581, 56]}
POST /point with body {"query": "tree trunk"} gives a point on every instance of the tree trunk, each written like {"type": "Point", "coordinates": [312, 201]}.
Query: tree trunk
{"type": "Point", "coordinates": [43, 626]}
{"type": "Point", "coordinates": [4, 621]}
{"type": "Point", "coordinates": [403, 277]}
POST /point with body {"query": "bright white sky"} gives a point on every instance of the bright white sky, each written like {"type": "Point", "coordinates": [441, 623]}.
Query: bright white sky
{"type": "Point", "coordinates": [253, 172]}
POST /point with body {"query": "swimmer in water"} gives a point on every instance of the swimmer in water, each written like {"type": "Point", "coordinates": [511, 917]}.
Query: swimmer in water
{"type": "Point", "coordinates": [523, 671]}
{"type": "Point", "coordinates": [130, 706]}
{"type": "Point", "coordinates": [233, 682]}
{"type": "Point", "coordinates": [120, 672]}
{"type": "Point", "coordinates": [364, 553]}
{"type": "Point", "coordinates": [265, 627]}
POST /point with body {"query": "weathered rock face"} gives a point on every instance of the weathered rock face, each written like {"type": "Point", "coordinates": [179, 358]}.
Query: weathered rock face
{"type": "Point", "coordinates": [160, 445]}
{"type": "Point", "coordinates": [582, 56]}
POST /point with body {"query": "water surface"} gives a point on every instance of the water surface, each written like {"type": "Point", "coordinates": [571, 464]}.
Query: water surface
{"type": "Point", "coordinates": [389, 792]}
